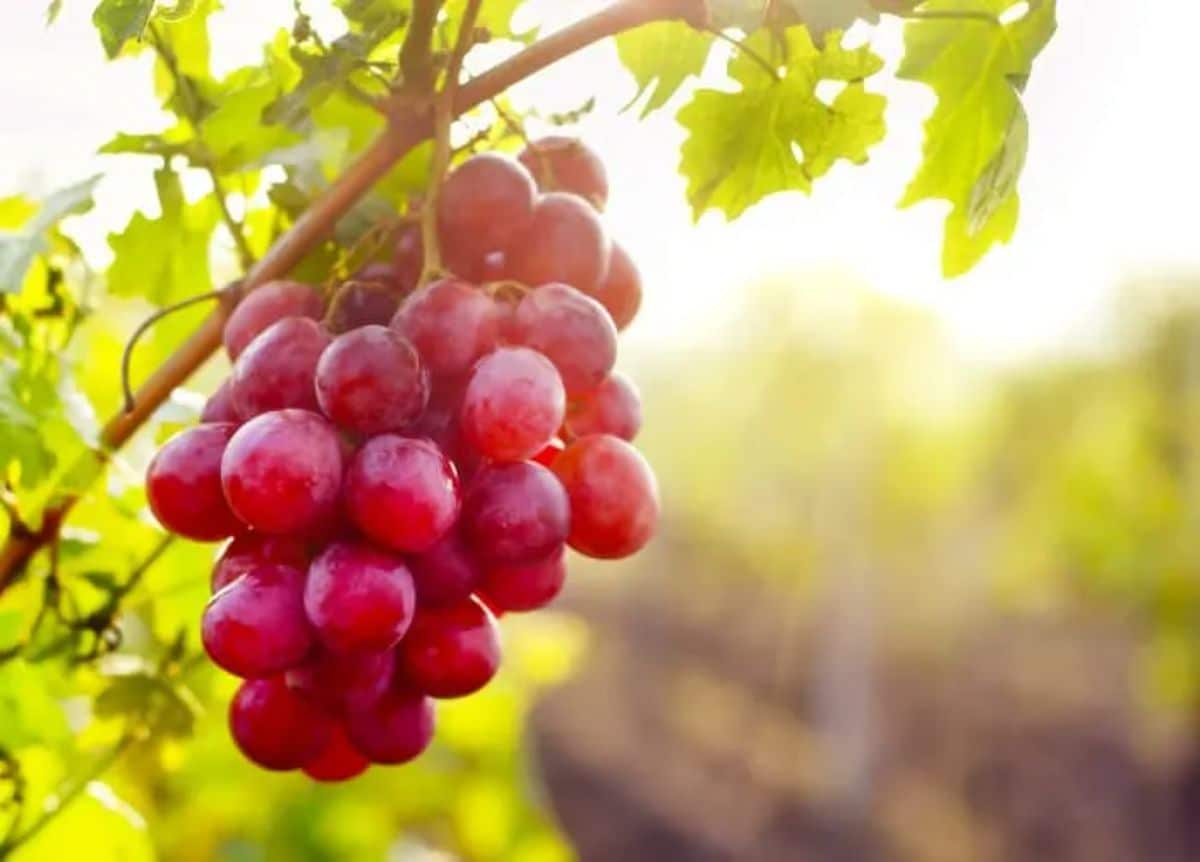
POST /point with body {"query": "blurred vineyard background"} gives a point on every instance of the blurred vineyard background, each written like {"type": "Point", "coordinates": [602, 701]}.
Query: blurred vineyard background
{"type": "Point", "coordinates": [903, 606]}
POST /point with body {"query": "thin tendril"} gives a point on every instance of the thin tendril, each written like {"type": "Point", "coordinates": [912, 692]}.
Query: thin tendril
{"type": "Point", "coordinates": [227, 293]}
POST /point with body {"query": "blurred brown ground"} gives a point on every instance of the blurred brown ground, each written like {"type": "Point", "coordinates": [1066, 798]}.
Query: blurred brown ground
{"type": "Point", "coordinates": [705, 726]}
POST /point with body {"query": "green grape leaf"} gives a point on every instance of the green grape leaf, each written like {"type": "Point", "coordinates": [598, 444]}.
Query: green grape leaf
{"type": "Point", "coordinates": [160, 145]}
{"type": "Point", "coordinates": [818, 16]}
{"type": "Point", "coordinates": [52, 11]}
{"type": "Point", "coordinates": [23, 398]}
{"type": "Point", "coordinates": [166, 709]}
{"type": "Point", "coordinates": [164, 259]}
{"type": "Point", "coordinates": [777, 134]}
{"type": "Point", "coordinates": [661, 57]}
{"type": "Point", "coordinates": [17, 250]}
{"type": "Point", "coordinates": [976, 137]}
{"type": "Point", "coordinates": [119, 21]}
{"type": "Point", "coordinates": [496, 16]}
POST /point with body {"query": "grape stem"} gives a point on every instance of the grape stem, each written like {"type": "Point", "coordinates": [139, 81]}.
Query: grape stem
{"type": "Point", "coordinates": [408, 125]}
{"type": "Point", "coordinates": [443, 115]}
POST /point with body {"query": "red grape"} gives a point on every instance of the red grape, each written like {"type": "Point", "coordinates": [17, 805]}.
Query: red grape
{"type": "Point", "coordinates": [439, 423]}
{"type": "Point", "coordinates": [343, 683]}
{"type": "Point", "coordinates": [358, 598]}
{"type": "Point", "coordinates": [282, 471]}
{"type": "Point", "coordinates": [183, 483]}
{"type": "Point", "coordinates": [549, 452]}
{"type": "Point", "coordinates": [451, 323]}
{"type": "Point", "coordinates": [451, 651]}
{"type": "Point", "coordinates": [613, 493]}
{"type": "Point", "coordinates": [276, 369]}
{"type": "Point", "coordinates": [361, 302]}
{"type": "Point", "coordinates": [482, 205]}
{"type": "Point", "coordinates": [338, 761]}
{"type": "Point", "coordinates": [525, 586]}
{"type": "Point", "coordinates": [513, 404]}
{"type": "Point", "coordinates": [251, 551]}
{"type": "Point", "coordinates": [408, 257]}
{"type": "Point", "coordinates": [395, 729]}
{"type": "Point", "coordinates": [572, 330]}
{"type": "Point", "coordinates": [564, 242]}
{"type": "Point", "coordinates": [219, 406]}
{"type": "Point", "coordinates": [561, 163]}
{"type": "Point", "coordinates": [370, 380]}
{"type": "Point", "coordinates": [401, 492]}
{"type": "Point", "coordinates": [446, 573]}
{"type": "Point", "coordinates": [266, 305]}
{"type": "Point", "coordinates": [614, 408]}
{"type": "Point", "coordinates": [276, 729]}
{"type": "Point", "coordinates": [515, 512]}
{"type": "Point", "coordinates": [256, 626]}
{"type": "Point", "coordinates": [621, 290]}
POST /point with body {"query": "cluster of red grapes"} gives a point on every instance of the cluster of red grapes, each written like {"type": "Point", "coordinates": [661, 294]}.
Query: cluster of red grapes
{"type": "Point", "coordinates": [401, 465]}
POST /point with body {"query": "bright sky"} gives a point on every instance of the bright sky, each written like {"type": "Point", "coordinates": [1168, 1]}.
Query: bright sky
{"type": "Point", "coordinates": [1109, 190]}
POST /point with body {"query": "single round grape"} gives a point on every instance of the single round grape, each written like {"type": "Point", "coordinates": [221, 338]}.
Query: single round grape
{"type": "Point", "coordinates": [549, 452]}
{"type": "Point", "coordinates": [251, 551]}
{"type": "Point", "coordinates": [561, 163]}
{"type": "Point", "coordinates": [565, 241]}
{"type": "Point", "coordinates": [408, 257]}
{"type": "Point", "coordinates": [370, 380]}
{"type": "Point", "coordinates": [525, 586]}
{"type": "Point", "coordinates": [338, 761]}
{"type": "Point", "coordinates": [276, 369]}
{"type": "Point", "coordinates": [362, 302]}
{"type": "Point", "coordinates": [439, 423]}
{"type": "Point", "coordinates": [446, 573]}
{"type": "Point", "coordinates": [513, 405]}
{"type": "Point", "coordinates": [183, 483]}
{"type": "Point", "coordinates": [397, 728]}
{"type": "Point", "coordinates": [451, 651]}
{"type": "Point", "coordinates": [402, 492]}
{"type": "Point", "coordinates": [358, 598]}
{"type": "Point", "coordinates": [621, 290]}
{"type": "Point", "coordinates": [515, 512]}
{"type": "Point", "coordinates": [256, 626]}
{"type": "Point", "coordinates": [613, 493]}
{"type": "Point", "coordinates": [219, 406]}
{"type": "Point", "coordinates": [266, 305]}
{"type": "Point", "coordinates": [572, 330]}
{"type": "Point", "coordinates": [451, 323]}
{"type": "Point", "coordinates": [482, 205]}
{"type": "Point", "coordinates": [344, 682]}
{"type": "Point", "coordinates": [276, 729]}
{"type": "Point", "coordinates": [613, 408]}
{"type": "Point", "coordinates": [282, 471]}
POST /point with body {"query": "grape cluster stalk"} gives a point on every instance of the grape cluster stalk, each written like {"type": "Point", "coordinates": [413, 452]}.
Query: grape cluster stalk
{"type": "Point", "coordinates": [397, 468]}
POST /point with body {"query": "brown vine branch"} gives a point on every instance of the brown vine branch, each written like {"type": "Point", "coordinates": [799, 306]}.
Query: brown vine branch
{"type": "Point", "coordinates": [409, 124]}
{"type": "Point", "coordinates": [443, 110]}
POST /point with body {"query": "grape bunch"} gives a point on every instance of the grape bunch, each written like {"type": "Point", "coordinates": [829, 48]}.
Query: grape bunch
{"type": "Point", "coordinates": [401, 465]}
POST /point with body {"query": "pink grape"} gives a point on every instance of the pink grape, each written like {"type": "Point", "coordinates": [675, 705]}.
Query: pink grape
{"type": "Point", "coordinates": [515, 512]}
{"type": "Point", "coordinates": [482, 205]}
{"type": "Point", "coordinates": [256, 626]}
{"type": "Point", "coordinates": [339, 760]}
{"type": "Point", "coordinates": [621, 290]}
{"type": "Point", "coordinates": [358, 598]}
{"type": "Point", "coordinates": [370, 380]}
{"type": "Point", "coordinates": [572, 330]}
{"type": "Point", "coordinates": [561, 163]}
{"type": "Point", "coordinates": [277, 368]}
{"type": "Point", "coordinates": [344, 682]}
{"type": "Point", "coordinates": [525, 586]}
{"type": "Point", "coordinates": [282, 471]}
{"type": "Point", "coordinates": [564, 242]}
{"type": "Point", "coordinates": [403, 493]}
{"type": "Point", "coordinates": [266, 305]}
{"type": "Point", "coordinates": [276, 729]}
{"type": "Point", "coordinates": [395, 729]}
{"type": "Point", "coordinates": [613, 493]}
{"type": "Point", "coordinates": [183, 483]}
{"type": "Point", "coordinates": [248, 552]}
{"type": "Point", "coordinates": [613, 408]}
{"type": "Point", "coordinates": [451, 323]}
{"type": "Point", "coordinates": [513, 405]}
{"type": "Point", "coordinates": [219, 406]}
{"type": "Point", "coordinates": [451, 651]}
{"type": "Point", "coordinates": [446, 573]}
